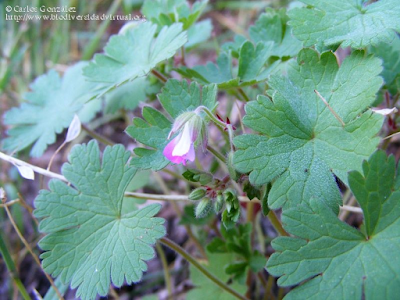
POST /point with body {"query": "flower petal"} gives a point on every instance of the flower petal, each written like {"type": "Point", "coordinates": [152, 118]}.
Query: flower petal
{"type": "Point", "coordinates": [170, 148]}
{"type": "Point", "coordinates": [184, 143]}
{"type": "Point", "coordinates": [191, 155]}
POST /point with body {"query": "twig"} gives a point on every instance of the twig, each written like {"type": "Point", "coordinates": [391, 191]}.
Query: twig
{"type": "Point", "coordinates": [195, 263]}
{"type": "Point", "coordinates": [35, 258]}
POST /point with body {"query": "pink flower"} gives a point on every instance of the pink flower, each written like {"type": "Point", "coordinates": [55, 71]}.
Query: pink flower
{"type": "Point", "coordinates": [181, 148]}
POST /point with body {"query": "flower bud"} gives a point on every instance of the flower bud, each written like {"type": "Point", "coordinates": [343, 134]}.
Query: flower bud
{"type": "Point", "coordinates": [198, 176]}
{"type": "Point", "coordinates": [191, 129]}
{"type": "Point", "coordinates": [203, 208]}
{"type": "Point", "coordinates": [232, 209]}
{"type": "Point", "coordinates": [197, 194]}
{"type": "Point", "coordinates": [219, 203]}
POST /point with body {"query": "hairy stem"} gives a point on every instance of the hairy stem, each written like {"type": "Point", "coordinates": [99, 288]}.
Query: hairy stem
{"type": "Point", "coordinates": [216, 154]}
{"type": "Point", "coordinates": [195, 263]}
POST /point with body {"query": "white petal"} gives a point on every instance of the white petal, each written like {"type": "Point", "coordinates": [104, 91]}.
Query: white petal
{"type": "Point", "coordinates": [26, 172]}
{"type": "Point", "coordinates": [74, 129]}
{"type": "Point", "coordinates": [385, 111]}
{"type": "Point", "coordinates": [185, 140]}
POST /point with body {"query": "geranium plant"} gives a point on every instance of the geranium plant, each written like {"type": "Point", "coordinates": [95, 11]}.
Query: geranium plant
{"type": "Point", "coordinates": [263, 153]}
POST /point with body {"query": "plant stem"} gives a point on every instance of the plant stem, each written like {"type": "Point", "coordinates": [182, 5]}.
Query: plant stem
{"type": "Point", "coordinates": [250, 218]}
{"type": "Point", "coordinates": [9, 203]}
{"type": "Point", "coordinates": [183, 56]}
{"type": "Point", "coordinates": [268, 289]}
{"type": "Point", "coordinates": [91, 48]}
{"type": "Point", "coordinates": [11, 268]}
{"type": "Point", "coordinates": [195, 263]}
{"type": "Point", "coordinates": [276, 223]}
{"type": "Point", "coordinates": [164, 263]}
{"type": "Point", "coordinates": [216, 154]}
{"type": "Point", "coordinates": [35, 258]}
{"type": "Point", "coordinates": [243, 94]}
{"type": "Point", "coordinates": [54, 155]}
{"type": "Point", "coordinates": [18, 162]}
{"type": "Point", "coordinates": [212, 117]}
{"type": "Point", "coordinates": [189, 231]}
{"type": "Point", "coordinates": [97, 136]}
{"type": "Point", "coordinates": [127, 194]}
{"type": "Point", "coordinates": [160, 76]}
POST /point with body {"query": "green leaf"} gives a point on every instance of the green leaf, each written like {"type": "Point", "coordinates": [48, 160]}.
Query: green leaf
{"type": "Point", "coordinates": [390, 54]}
{"type": "Point", "coordinates": [89, 110]}
{"type": "Point", "coordinates": [257, 262]}
{"type": "Point", "coordinates": [166, 12]}
{"type": "Point", "coordinates": [199, 33]}
{"type": "Point", "coordinates": [238, 270]}
{"type": "Point", "coordinates": [351, 23]}
{"type": "Point", "coordinates": [89, 242]}
{"type": "Point", "coordinates": [302, 144]}
{"type": "Point", "coordinates": [127, 96]}
{"type": "Point", "coordinates": [272, 26]}
{"type": "Point", "coordinates": [341, 261]}
{"type": "Point", "coordinates": [205, 288]}
{"type": "Point", "coordinates": [219, 73]}
{"type": "Point", "coordinates": [133, 54]}
{"type": "Point", "coordinates": [178, 97]}
{"type": "Point", "coordinates": [252, 69]}
{"type": "Point", "coordinates": [152, 131]}
{"type": "Point", "coordinates": [374, 187]}
{"type": "Point", "coordinates": [50, 108]}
